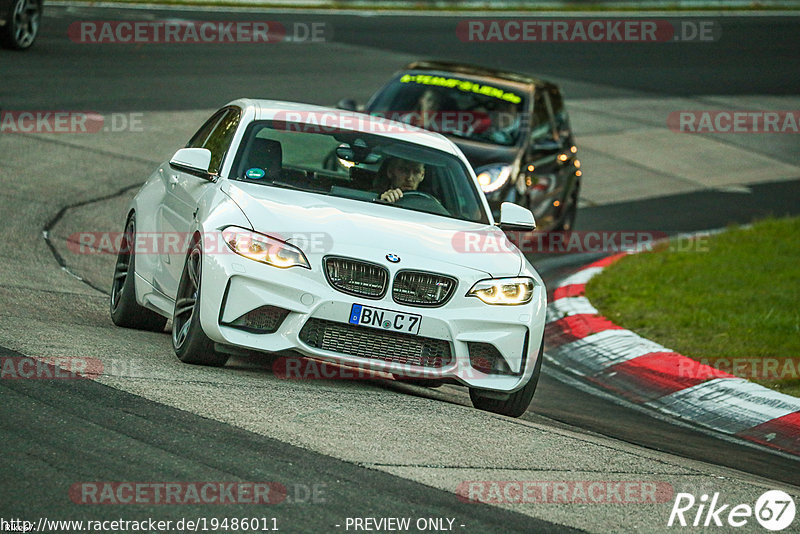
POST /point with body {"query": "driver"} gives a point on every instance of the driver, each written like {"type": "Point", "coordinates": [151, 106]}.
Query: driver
{"type": "Point", "coordinates": [399, 175]}
{"type": "Point", "coordinates": [505, 123]}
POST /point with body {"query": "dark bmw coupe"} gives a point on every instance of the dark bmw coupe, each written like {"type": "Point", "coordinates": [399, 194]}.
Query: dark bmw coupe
{"type": "Point", "coordinates": [513, 128]}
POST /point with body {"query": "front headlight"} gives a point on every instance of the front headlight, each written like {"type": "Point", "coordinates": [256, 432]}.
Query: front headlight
{"type": "Point", "coordinates": [504, 291]}
{"type": "Point", "coordinates": [493, 177]}
{"type": "Point", "coordinates": [264, 249]}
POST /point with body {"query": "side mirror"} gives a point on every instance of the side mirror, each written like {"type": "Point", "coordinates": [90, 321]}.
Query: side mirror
{"type": "Point", "coordinates": [515, 217]}
{"type": "Point", "coordinates": [347, 104]}
{"type": "Point", "coordinates": [193, 161]}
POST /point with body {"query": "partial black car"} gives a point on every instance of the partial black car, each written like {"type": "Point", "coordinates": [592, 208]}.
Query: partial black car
{"type": "Point", "coordinates": [513, 128]}
{"type": "Point", "coordinates": [19, 23]}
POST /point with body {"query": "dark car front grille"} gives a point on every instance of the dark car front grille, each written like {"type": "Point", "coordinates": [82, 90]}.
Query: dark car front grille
{"type": "Point", "coordinates": [356, 277]}
{"type": "Point", "coordinates": [375, 344]}
{"type": "Point", "coordinates": [417, 288]}
{"type": "Point", "coordinates": [263, 320]}
{"type": "Point", "coordinates": [487, 359]}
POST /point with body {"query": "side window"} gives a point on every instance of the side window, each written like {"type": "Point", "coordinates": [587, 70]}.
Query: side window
{"type": "Point", "coordinates": [542, 127]}
{"type": "Point", "coordinates": [560, 116]}
{"type": "Point", "coordinates": [198, 140]}
{"type": "Point", "coordinates": [216, 135]}
{"type": "Point", "coordinates": [220, 139]}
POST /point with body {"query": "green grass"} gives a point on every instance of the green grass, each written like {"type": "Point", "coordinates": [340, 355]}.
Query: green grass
{"type": "Point", "coordinates": [731, 295]}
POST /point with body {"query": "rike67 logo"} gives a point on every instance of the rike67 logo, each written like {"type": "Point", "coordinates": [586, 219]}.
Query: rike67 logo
{"type": "Point", "coordinates": [774, 510]}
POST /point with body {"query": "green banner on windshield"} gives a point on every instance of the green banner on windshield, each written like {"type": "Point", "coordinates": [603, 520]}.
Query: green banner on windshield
{"type": "Point", "coordinates": [463, 85]}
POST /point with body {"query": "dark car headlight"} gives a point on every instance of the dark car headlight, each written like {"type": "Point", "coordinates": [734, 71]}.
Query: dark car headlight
{"type": "Point", "coordinates": [494, 176]}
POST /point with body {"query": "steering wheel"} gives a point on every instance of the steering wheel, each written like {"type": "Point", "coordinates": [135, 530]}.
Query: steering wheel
{"type": "Point", "coordinates": [423, 201]}
{"type": "Point", "coordinates": [422, 195]}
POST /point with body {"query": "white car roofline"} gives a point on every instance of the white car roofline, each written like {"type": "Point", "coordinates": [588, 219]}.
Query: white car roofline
{"type": "Point", "coordinates": [267, 109]}
{"type": "Point", "coordinates": [262, 109]}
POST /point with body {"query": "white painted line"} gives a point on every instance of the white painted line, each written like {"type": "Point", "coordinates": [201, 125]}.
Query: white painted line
{"type": "Point", "coordinates": [558, 309]}
{"type": "Point", "coordinates": [582, 276]}
{"type": "Point", "coordinates": [565, 375]}
{"type": "Point", "coordinates": [734, 189]}
{"type": "Point", "coordinates": [728, 404]}
{"type": "Point", "coordinates": [596, 352]}
{"type": "Point", "coordinates": [724, 406]}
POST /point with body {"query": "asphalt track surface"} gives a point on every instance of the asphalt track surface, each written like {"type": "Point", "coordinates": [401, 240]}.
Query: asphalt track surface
{"type": "Point", "coordinates": [58, 432]}
{"type": "Point", "coordinates": [135, 447]}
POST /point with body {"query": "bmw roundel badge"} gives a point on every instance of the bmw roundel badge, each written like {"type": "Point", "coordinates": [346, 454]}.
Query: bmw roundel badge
{"type": "Point", "coordinates": [394, 258]}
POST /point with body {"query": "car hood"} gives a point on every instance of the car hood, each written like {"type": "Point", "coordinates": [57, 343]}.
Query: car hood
{"type": "Point", "coordinates": [480, 154]}
{"type": "Point", "coordinates": [323, 224]}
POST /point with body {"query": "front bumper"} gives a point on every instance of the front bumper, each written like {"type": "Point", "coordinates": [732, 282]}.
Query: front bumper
{"type": "Point", "coordinates": [233, 286]}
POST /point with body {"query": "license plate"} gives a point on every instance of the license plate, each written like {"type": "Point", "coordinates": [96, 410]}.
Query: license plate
{"type": "Point", "coordinates": [407, 323]}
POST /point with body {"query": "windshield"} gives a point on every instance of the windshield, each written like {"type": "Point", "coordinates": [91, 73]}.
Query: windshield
{"type": "Point", "coordinates": [454, 105]}
{"type": "Point", "coordinates": [358, 166]}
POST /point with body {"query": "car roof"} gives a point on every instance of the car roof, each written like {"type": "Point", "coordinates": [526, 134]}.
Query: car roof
{"type": "Point", "coordinates": [346, 120]}
{"type": "Point", "coordinates": [478, 71]}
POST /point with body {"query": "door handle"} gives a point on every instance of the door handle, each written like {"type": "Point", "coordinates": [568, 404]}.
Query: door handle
{"type": "Point", "coordinates": [172, 180]}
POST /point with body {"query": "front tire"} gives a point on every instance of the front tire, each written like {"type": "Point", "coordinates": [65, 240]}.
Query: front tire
{"type": "Point", "coordinates": [190, 343]}
{"type": "Point", "coordinates": [125, 311]}
{"type": "Point", "coordinates": [568, 223]}
{"type": "Point", "coordinates": [22, 24]}
{"type": "Point", "coordinates": [568, 220]}
{"type": "Point", "coordinates": [517, 403]}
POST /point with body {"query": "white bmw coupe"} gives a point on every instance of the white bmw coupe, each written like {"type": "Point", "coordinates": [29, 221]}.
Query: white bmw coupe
{"type": "Point", "coordinates": [296, 229]}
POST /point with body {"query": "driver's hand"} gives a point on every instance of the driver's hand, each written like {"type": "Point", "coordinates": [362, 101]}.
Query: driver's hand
{"type": "Point", "coordinates": [392, 195]}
